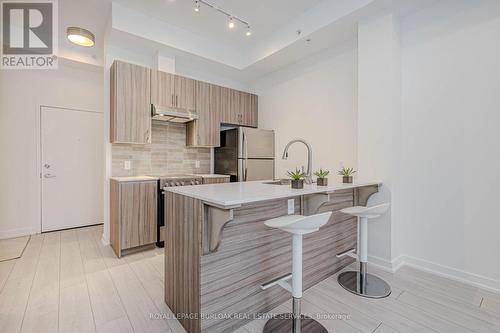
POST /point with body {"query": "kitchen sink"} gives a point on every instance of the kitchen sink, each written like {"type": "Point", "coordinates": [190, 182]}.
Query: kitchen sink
{"type": "Point", "coordinates": [278, 182]}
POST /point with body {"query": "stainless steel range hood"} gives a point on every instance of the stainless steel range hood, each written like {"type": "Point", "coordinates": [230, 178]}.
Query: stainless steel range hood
{"type": "Point", "coordinates": [172, 115]}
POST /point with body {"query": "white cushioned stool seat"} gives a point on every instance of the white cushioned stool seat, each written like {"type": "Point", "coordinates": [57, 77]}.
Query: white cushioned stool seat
{"type": "Point", "coordinates": [368, 212]}
{"type": "Point", "coordinates": [299, 224]}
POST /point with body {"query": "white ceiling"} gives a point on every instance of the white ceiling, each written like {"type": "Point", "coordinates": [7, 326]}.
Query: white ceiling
{"type": "Point", "coordinates": [202, 40]}
{"type": "Point", "coordinates": [265, 17]}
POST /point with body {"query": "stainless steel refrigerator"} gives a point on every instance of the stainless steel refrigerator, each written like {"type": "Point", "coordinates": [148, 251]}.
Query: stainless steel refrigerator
{"type": "Point", "coordinates": [245, 154]}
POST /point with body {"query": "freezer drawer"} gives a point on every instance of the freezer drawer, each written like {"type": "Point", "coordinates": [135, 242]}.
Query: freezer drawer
{"type": "Point", "coordinates": [255, 169]}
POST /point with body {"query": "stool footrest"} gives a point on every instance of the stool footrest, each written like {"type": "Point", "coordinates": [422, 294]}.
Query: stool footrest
{"type": "Point", "coordinates": [349, 252]}
{"type": "Point", "coordinates": [278, 281]}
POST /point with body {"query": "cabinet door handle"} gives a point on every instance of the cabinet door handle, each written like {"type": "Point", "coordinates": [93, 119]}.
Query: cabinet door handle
{"type": "Point", "coordinates": [176, 101]}
{"type": "Point", "coordinates": [172, 99]}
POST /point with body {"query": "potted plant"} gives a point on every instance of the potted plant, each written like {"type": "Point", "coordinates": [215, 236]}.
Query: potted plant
{"type": "Point", "coordinates": [321, 174]}
{"type": "Point", "coordinates": [297, 178]}
{"type": "Point", "coordinates": [346, 174]}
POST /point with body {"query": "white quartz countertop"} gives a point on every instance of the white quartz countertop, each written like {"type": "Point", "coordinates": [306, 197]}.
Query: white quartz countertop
{"type": "Point", "coordinates": [211, 175]}
{"type": "Point", "coordinates": [236, 194]}
{"type": "Point", "coordinates": [133, 178]}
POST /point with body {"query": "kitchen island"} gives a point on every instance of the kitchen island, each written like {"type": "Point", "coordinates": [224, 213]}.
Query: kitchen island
{"type": "Point", "coordinates": [218, 251]}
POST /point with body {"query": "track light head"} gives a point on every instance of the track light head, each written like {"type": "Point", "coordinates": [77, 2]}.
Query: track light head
{"type": "Point", "coordinates": [231, 23]}
{"type": "Point", "coordinates": [249, 31]}
{"type": "Point", "coordinates": [196, 6]}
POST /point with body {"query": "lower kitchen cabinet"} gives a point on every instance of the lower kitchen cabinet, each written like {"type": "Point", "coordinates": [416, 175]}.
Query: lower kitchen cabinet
{"type": "Point", "coordinates": [133, 214]}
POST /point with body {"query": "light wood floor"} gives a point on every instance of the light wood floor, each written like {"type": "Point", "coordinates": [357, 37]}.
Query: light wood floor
{"type": "Point", "coordinates": [69, 282]}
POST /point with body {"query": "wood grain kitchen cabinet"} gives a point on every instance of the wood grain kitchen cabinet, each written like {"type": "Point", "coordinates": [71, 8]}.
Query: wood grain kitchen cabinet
{"type": "Point", "coordinates": [130, 109]}
{"type": "Point", "coordinates": [173, 91]}
{"type": "Point", "coordinates": [205, 131]}
{"type": "Point", "coordinates": [253, 112]}
{"type": "Point", "coordinates": [238, 108]}
{"type": "Point", "coordinates": [185, 93]}
{"type": "Point", "coordinates": [133, 209]}
{"type": "Point", "coordinates": [162, 89]}
{"type": "Point", "coordinates": [225, 104]}
{"type": "Point", "coordinates": [248, 109]}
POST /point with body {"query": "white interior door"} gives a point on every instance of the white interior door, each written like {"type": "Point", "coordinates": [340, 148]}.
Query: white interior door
{"type": "Point", "coordinates": [72, 168]}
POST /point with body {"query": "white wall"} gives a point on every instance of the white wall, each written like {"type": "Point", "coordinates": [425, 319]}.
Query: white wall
{"type": "Point", "coordinates": [315, 100]}
{"type": "Point", "coordinates": [450, 133]}
{"type": "Point", "coordinates": [21, 94]}
{"type": "Point", "coordinates": [378, 124]}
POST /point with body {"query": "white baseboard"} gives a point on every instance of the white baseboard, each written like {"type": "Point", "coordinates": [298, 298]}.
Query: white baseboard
{"type": "Point", "coordinates": [436, 269]}
{"type": "Point", "coordinates": [104, 241]}
{"type": "Point", "coordinates": [386, 265]}
{"type": "Point", "coordinates": [19, 232]}
{"type": "Point", "coordinates": [453, 274]}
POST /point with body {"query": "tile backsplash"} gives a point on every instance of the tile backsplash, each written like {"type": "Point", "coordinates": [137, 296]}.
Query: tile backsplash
{"type": "Point", "coordinates": [167, 154]}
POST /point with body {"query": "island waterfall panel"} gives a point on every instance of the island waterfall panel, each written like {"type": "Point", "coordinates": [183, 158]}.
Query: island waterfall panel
{"type": "Point", "coordinates": [226, 283]}
{"type": "Point", "coordinates": [182, 258]}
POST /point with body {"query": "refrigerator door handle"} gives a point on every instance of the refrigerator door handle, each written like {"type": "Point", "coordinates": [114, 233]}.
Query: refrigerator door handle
{"type": "Point", "coordinates": [245, 157]}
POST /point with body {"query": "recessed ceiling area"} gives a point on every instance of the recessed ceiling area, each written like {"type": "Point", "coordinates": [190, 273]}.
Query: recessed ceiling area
{"type": "Point", "coordinates": [203, 38]}
{"type": "Point", "coordinates": [265, 17]}
{"type": "Point", "coordinates": [176, 24]}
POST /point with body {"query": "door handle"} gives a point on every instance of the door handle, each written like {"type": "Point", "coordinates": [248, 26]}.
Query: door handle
{"type": "Point", "coordinates": [245, 157]}
{"type": "Point", "coordinates": [48, 175]}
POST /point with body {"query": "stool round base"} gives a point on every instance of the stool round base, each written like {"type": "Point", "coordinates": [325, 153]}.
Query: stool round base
{"type": "Point", "coordinates": [373, 286]}
{"type": "Point", "coordinates": [283, 323]}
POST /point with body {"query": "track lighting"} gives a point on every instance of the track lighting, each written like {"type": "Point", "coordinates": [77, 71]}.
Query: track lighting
{"type": "Point", "coordinates": [231, 23]}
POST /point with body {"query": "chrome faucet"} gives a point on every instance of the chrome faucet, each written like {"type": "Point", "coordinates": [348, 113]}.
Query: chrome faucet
{"type": "Point", "coordinates": [308, 177]}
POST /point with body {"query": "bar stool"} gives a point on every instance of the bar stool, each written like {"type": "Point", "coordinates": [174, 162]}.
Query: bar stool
{"type": "Point", "coordinates": [298, 226]}
{"type": "Point", "coordinates": [361, 283]}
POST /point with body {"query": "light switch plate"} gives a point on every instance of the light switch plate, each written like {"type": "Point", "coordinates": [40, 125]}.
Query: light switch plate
{"type": "Point", "coordinates": [197, 164]}
{"type": "Point", "coordinates": [291, 206]}
{"type": "Point", "coordinates": [126, 165]}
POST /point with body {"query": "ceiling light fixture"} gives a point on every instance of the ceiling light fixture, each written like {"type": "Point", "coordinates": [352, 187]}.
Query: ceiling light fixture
{"type": "Point", "coordinates": [80, 36]}
{"type": "Point", "coordinates": [230, 23]}
{"type": "Point", "coordinates": [232, 19]}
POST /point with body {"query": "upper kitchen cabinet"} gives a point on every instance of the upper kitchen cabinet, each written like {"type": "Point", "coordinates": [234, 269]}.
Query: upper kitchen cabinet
{"type": "Point", "coordinates": [205, 131]}
{"type": "Point", "coordinates": [173, 91]}
{"type": "Point", "coordinates": [162, 89]}
{"type": "Point", "coordinates": [185, 93]}
{"type": "Point", "coordinates": [238, 108]}
{"type": "Point", "coordinates": [130, 108]}
{"type": "Point", "coordinates": [248, 109]}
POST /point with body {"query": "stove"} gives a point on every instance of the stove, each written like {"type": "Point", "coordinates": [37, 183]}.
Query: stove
{"type": "Point", "coordinates": [179, 180]}
{"type": "Point", "coordinates": [164, 181]}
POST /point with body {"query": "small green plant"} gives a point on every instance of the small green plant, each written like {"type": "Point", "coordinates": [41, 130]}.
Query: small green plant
{"type": "Point", "coordinates": [296, 175]}
{"type": "Point", "coordinates": [322, 173]}
{"type": "Point", "coordinates": [346, 172]}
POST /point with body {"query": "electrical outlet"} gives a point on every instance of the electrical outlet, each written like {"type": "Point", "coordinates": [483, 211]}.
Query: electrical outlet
{"type": "Point", "coordinates": [197, 164]}
{"type": "Point", "coordinates": [291, 206]}
{"type": "Point", "coordinates": [126, 165]}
